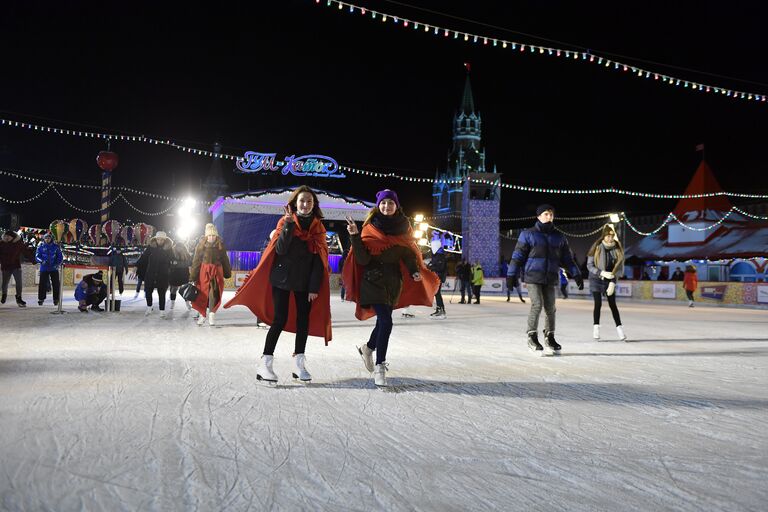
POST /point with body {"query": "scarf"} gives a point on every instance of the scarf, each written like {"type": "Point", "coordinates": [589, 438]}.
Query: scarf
{"type": "Point", "coordinates": [545, 227]}
{"type": "Point", "coordinates": [414, 293]}
{"type": "Point", "coordinates": [254, 295]}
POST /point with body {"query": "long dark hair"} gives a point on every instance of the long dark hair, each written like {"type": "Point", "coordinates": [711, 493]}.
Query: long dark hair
{"type": "Point", "coordinates": [316, 211]}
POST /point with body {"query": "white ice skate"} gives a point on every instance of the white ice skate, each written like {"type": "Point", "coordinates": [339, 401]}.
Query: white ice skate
{"type": "Point", "coordinates": [596, 331]}
{"type": "Point", "coordinates": [620, 332]}
{"type": "Point", "coordinates": [380, 375]}
{"type": "Point", "coordinates": [148, 311]}
{"type": "Point", "coordinates": [211, 318]}
{"type": "Point", "coordinates": [163, 314]}
{"type": "Point", "coordinates": [301, 372]}
{"type": "Point", "coordinates": [200, 319]}
{"type": "Point", "coordinates": [264, 371]}
{"type": "Point", "coordinates": [367, 355]}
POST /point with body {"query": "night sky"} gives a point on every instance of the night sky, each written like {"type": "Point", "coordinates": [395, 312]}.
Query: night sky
{"type": "Point", "coordinates": [292, 76]}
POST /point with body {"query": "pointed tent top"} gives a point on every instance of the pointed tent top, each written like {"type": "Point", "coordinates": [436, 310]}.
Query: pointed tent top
{"type": "Point", "coordinates": [467, 101]}
{"type": "Point", "coordinates": [703, 182]}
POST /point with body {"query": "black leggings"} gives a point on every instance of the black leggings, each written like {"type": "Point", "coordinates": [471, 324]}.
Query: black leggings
{"type": "Point", "coordinates": [280, 299]}
{"type": "Point", "coordinates": [598, 304]}
{"type": "Point", "coordinates": [379, 340]}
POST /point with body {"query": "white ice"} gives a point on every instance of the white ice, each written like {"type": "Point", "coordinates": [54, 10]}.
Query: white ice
{"type": "Point", "coordinates": [115, 411]}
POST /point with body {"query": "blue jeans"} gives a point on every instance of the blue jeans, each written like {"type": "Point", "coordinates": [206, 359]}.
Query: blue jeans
{"type": "Point", "coordinates": [379, 339]}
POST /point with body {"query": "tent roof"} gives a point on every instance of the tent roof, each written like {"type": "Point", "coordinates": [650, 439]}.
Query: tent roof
{"type": "Point", "coordinates": [703, 182]}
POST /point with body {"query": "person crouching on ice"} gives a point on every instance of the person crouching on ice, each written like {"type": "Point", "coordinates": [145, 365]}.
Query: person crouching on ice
{"type": "Point", "coordinates": [91, 292]}
{"type": "Point", "coordinates": [385, 271]}
{"type": "Point", "coordinates": [210, 266]}
{"type": "Point", "coordinates": [295, 266]}
{"type": "Point", "coordinates": [538, 256]}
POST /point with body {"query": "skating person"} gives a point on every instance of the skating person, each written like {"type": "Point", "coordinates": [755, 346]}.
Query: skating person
{"type": "Point", "coordinates": [210, 266]}
{"type": "Point", "coordinates": [12, 248]}
{"type": "Point", "coordinates": [690, 283]}
{"type": "Point", "coordinates": [605, 262]}
{"type": "Point", "coordinates": [91, 291]}
{"type": "Point", "coordinates": [179, 271]}
{"type": "Point", "coordinates": [295, 266]}
{"type": "Point", "coordinates": [439, 266]}
{"type": "Point", "coordinates": [385, 271]}
{"type": "Point", "coordinates": [154, 267]}
{"type": "Point", "coordinates": [538, 256]}
{"type": "Point", "coordinates": [118, 262]}
{"type": "Point", "coordinates": [478, 279]}
{"type": "Point", "coordinates": [49, 256]}
{"type": "Point", "coordinates": [464, 275]}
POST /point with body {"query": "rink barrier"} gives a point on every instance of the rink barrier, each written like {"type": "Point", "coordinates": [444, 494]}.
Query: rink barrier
{"type": "Point", "coordinates": [708, 292]}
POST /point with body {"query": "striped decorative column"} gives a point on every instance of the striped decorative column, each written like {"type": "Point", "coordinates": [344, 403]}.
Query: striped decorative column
{"type": "Point", "coordinates": [106, 195]}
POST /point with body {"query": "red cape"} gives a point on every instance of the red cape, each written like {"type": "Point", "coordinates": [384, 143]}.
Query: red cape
{"type": "Point", "coordinates": [256, 291]}
{"type": "Point", "coordinates": [415, 293]}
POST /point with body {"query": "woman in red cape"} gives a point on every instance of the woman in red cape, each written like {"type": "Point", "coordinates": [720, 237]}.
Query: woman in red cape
{"type": "Point", "coordinates": [295, 267]}
{"type": "Point", "coordinates": [384, 271]}
{"type": "Point", "coordinates": [210, 266]}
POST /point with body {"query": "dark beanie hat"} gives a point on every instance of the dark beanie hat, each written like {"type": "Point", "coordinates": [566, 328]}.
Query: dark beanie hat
{"type": "Point", "coordinates": [98, 276]}
{"type": "Point", "coordinates": [387, 194]}
{"type": "Point", "coordinates": [543, 208]}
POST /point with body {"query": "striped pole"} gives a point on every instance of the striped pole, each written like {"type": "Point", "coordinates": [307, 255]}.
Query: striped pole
{"type": "Point", "coordinates": [106, 194]}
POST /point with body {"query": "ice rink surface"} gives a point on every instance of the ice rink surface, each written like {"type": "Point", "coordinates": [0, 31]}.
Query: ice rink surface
{"type": "Point", "coordinates": [116, 411]}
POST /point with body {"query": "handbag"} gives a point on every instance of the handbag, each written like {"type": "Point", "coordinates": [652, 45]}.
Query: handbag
{"type": "Point", "coordinates": [189, 292]}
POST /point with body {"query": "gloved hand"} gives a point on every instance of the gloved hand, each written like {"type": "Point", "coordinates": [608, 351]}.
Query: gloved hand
{"type": "Point", "coordinates": [579, 281]}
{"type": "Point", "coordinates": [512, 282]}
{"type": "Point", "coordinates": [611, 289]}
{"type": "Point", "coordinates": [606, 275]}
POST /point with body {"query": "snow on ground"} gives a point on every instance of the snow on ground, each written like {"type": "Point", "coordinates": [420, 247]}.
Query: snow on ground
{"type": "Point", "coordinates": [105, 411]}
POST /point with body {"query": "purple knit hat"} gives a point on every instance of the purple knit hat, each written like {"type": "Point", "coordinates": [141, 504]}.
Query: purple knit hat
{"type": "Point", "coordinates": [387, 194]}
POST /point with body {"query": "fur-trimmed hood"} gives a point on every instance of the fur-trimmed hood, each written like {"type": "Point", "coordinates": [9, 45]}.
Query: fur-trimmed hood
{"type": "Point", "coordinates": [163, 243]}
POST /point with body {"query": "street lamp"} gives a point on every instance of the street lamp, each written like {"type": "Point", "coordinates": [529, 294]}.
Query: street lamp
{"type": "Point", "coordinates": [419, 217]}
{"type": "Point", "coordinates": [615, 218]}
{"type": "Point", "coordinates": [187, 222]}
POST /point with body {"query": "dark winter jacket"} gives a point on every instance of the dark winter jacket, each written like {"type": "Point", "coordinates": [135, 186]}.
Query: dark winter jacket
{"type": "Point", "coordinates": [180, 262]}
{"type": "Point", "coordinates": [117, 260]}
{"type": "Point", "coordinates": [539, 254]}
{"type": "Point", "coordinates": [214, 254]}
{"type": "Point", "coordinates": [600, 258]}
{"type": "Point", "coordinates": [49, 256]}
{"type": "Point", "coordinates": [464, 271]}
{"type": "Point", "coordinates": [294, 267]}
{"type": "Point", "coordinates": [438, 264]}
{"type": "Point", "coordinates": [154, 265]}
{"type": "Point", "coordinates": [89, 287]}
{"type": "Point", "coordinates": [11, 253]}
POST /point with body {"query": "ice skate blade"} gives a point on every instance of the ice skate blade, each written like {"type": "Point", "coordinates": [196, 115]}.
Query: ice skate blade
{"type": "Point", "coordinates": [268, 383]}
{"type": "Point", "coordinates": [537, 353]}
{"type": "Point", "coordinates": [296, 377]}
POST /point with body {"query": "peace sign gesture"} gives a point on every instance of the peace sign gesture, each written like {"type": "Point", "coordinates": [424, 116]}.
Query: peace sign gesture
{"type": "Point", "coordinates": [351, 226]}
{"type": "Point", "coordinates": [288, 212]}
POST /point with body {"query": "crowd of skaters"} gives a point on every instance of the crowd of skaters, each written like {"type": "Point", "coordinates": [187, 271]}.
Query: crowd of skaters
{"type": "Point", "coordinates": [383, 270]}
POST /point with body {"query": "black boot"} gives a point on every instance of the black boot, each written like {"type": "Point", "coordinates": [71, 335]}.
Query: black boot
{"type": "Point", "coordinates": [533, 342]}
{"type": "Point", "coordinates": [4, 298]}
{"type": "Point", "coordinates": [20, 302]}
{"type": "Point", "coordinates": [552, 344]}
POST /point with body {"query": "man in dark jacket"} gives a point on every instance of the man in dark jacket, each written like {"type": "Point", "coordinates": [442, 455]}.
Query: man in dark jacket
{"type": "Point", "coordinates": [154, 268]}
{"type": "Point", "coordinates": [538, 256]}
{"type": "Point", "coordinates": [12, 248]}
{"type": "Point", "coordinates": [118, 261]}
{"type": "Point", "coordinates": [49, 256]}
{"type": "Point", "coordinates": [439, 266]}
{"type": "Point", "coordinates": [464, 275]}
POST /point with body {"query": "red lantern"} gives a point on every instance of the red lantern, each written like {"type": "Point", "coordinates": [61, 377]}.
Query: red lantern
{"type": "Point", "coordinates": [107, 160]}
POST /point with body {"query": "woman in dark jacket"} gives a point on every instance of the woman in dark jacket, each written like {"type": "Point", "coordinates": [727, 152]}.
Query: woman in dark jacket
{"type": "Point", "coordinates": [154, 267]}
{"type": "Point", "coordinates": [296, 270]}
{"type": "Point", "coordinates": [385, 271]}
{"type": "Point", "coordinates": [179, 272]}
{"type": "Point", "coordinates": [605, 262]}
{"type": "Point", "coordinates": [210, 266]}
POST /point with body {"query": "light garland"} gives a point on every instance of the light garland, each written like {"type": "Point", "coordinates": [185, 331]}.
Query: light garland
{"type": "Point", "coordinates": [530, 217]}
{"type": "Point", "coordinates": [28, 200]}
{"type": "Point", "coordinates": [583, 235]}
{"type": "Point", "coordinates": [362, 172]}
{"type": "Point", "coordinates": [581, 56]}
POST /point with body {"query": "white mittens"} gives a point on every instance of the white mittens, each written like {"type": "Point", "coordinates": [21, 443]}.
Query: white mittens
{"type": "Point", "coordinates": [611, 288]}
{"type": "Point", "coordinates": [606, 275]}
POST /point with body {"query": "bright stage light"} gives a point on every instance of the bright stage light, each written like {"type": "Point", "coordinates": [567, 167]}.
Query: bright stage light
{"type": "Point", "coordinates": [615, 218]}
{"type": "Point", "coordinates": [419, 217]}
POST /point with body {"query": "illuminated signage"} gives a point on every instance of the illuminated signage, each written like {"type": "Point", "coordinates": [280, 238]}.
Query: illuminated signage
{"type": "Point", "coordinates": [317, 166]}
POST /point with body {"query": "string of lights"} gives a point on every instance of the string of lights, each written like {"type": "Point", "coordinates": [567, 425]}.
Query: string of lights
{"type": "Point", "coordinates": [580, 235]}
{"type": "Point", "coordinates": [578, 55]}
{"type": "Point", "coordinates": [29, 199]}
